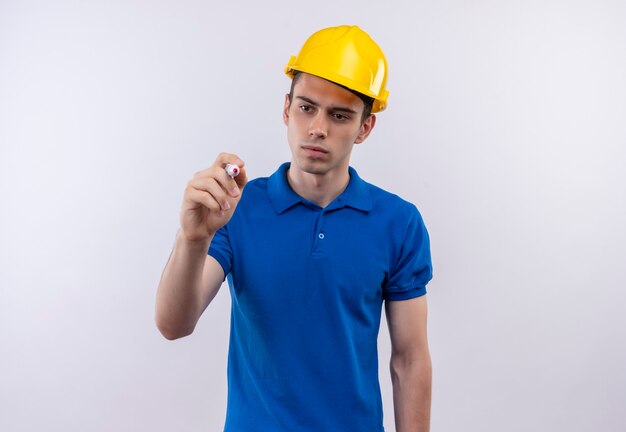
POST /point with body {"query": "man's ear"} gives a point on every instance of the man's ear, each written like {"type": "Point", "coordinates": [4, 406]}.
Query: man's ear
{"type": "Point", "coordinates": [286, 109]}
{"type": "Point", "coordinates": [366, 128]}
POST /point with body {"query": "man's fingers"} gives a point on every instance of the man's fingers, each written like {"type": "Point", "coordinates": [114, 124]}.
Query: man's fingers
{"type": "Point", "coordinates": [224, 159]}
{"type": "Point", "coordinates": [228, 183]}
{"type": "Point", "coordinates": [203, 198]}
{"type": "Point", "coordinates": [221, 161]}
{"type": "Point", "coordinates": [234, 185]}
{"type": "Point", "coordinates": [217, 171]}
{"type": "Point", "coordinates": [213, 188]}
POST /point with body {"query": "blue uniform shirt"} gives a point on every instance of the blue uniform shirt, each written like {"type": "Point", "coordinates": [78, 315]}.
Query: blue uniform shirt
{"type": "Point", "coordinates": [307, 285]}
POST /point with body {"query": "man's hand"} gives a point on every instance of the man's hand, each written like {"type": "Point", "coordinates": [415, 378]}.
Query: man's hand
{"type": "Point", "coordinates": [210, 199]}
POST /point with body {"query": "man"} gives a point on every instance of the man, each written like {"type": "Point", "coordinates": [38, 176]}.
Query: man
{"type": "Point", "coordinates": [311, 253]}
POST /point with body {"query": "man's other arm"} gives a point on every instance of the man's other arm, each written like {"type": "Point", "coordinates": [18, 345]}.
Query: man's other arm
{"type": "Point", "coordinates": [411, 369]}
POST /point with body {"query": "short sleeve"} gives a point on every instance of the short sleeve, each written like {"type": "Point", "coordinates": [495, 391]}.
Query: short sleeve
{"type": "Point", "coordinates": [413, 268]}
{"type": "Point", "coordinates": [221, 250]}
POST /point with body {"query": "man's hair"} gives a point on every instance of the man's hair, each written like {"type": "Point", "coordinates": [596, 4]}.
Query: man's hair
{"type": "Point", "coordinates": [367, 101]}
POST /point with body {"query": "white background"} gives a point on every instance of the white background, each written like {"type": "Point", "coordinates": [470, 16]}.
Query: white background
{"type": "Point", "coordinates": [508, 118]}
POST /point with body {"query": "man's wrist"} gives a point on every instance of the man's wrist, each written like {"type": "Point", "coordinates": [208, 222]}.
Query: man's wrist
{"type": "Point", "coordinates": [193, 245]}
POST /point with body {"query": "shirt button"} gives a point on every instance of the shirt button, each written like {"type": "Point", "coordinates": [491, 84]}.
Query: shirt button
{"type": "Point", "coordinates": [321, 236]}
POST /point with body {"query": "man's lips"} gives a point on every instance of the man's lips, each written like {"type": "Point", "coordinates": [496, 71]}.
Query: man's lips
{"type": "Point", "coordinates": [314, 149]}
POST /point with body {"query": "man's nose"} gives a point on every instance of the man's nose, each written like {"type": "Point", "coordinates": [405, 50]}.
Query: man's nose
{"type": "Point", "coordinates": [319, 126]}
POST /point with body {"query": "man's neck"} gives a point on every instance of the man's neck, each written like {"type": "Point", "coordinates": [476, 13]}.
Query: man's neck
{"type": "Point", "coordinates": [321, 189]}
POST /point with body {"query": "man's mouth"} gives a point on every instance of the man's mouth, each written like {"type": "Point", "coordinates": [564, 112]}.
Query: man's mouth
{"type": "Point", "coordinates": [314, 150]}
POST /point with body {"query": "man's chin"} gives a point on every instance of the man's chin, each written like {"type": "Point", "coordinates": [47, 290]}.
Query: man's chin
{"type": "Point", "coordinates": [315, 167]}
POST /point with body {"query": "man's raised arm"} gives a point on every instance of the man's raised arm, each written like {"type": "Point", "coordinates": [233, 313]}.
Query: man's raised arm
{"type": "Point", "coordinates": [191, 278]}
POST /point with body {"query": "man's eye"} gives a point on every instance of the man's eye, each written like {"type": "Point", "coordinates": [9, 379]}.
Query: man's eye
{"type": "Point", "coordinates": [305, 108]}
{"type": "Point", "coordinates": [339, 117]}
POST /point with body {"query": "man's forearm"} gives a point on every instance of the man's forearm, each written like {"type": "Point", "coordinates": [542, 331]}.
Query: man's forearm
{"type": "Point", "coordinates": [178, 299]}
{"type": "Point", "coordinates": [412, 383]}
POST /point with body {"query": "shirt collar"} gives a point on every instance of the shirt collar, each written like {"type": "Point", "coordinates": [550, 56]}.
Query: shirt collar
{"type": "Point", "coordinates": [356, 195]}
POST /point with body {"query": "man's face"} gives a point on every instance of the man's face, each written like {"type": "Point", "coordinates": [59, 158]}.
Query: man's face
{"type": "Point", "coordinates": [323, 123]}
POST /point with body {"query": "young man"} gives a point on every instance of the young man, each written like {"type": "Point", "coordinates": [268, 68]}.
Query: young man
{"type": "Point", "coordinates": [311, 254]}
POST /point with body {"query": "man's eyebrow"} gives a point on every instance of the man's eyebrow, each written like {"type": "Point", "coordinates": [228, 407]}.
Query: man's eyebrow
{"type": "Point", "coordinates": [307, 100]}
{"type": "Point", "coordinates": [341, 109]}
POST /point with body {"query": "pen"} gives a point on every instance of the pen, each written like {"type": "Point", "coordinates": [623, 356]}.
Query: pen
{"type": "Point", "coordinates": [232, 170]}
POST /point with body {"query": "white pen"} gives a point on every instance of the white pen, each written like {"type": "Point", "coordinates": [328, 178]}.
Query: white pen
{"type": "Point", "coordinates": [232, 170]}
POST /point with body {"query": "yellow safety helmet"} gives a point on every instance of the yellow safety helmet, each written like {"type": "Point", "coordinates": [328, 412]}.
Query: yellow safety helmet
{"type": "Point", "coordinates": [348, 56]}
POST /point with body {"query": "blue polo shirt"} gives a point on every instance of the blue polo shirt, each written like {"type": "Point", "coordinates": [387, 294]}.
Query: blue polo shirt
{"type": "Point", "coordinates": [307, 286]}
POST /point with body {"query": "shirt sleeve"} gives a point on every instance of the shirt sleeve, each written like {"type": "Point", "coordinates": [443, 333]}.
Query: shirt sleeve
{"type": "Point", "coordinates": [413, 268]}
{"type": "Point", "coordinates": [221, 250]}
